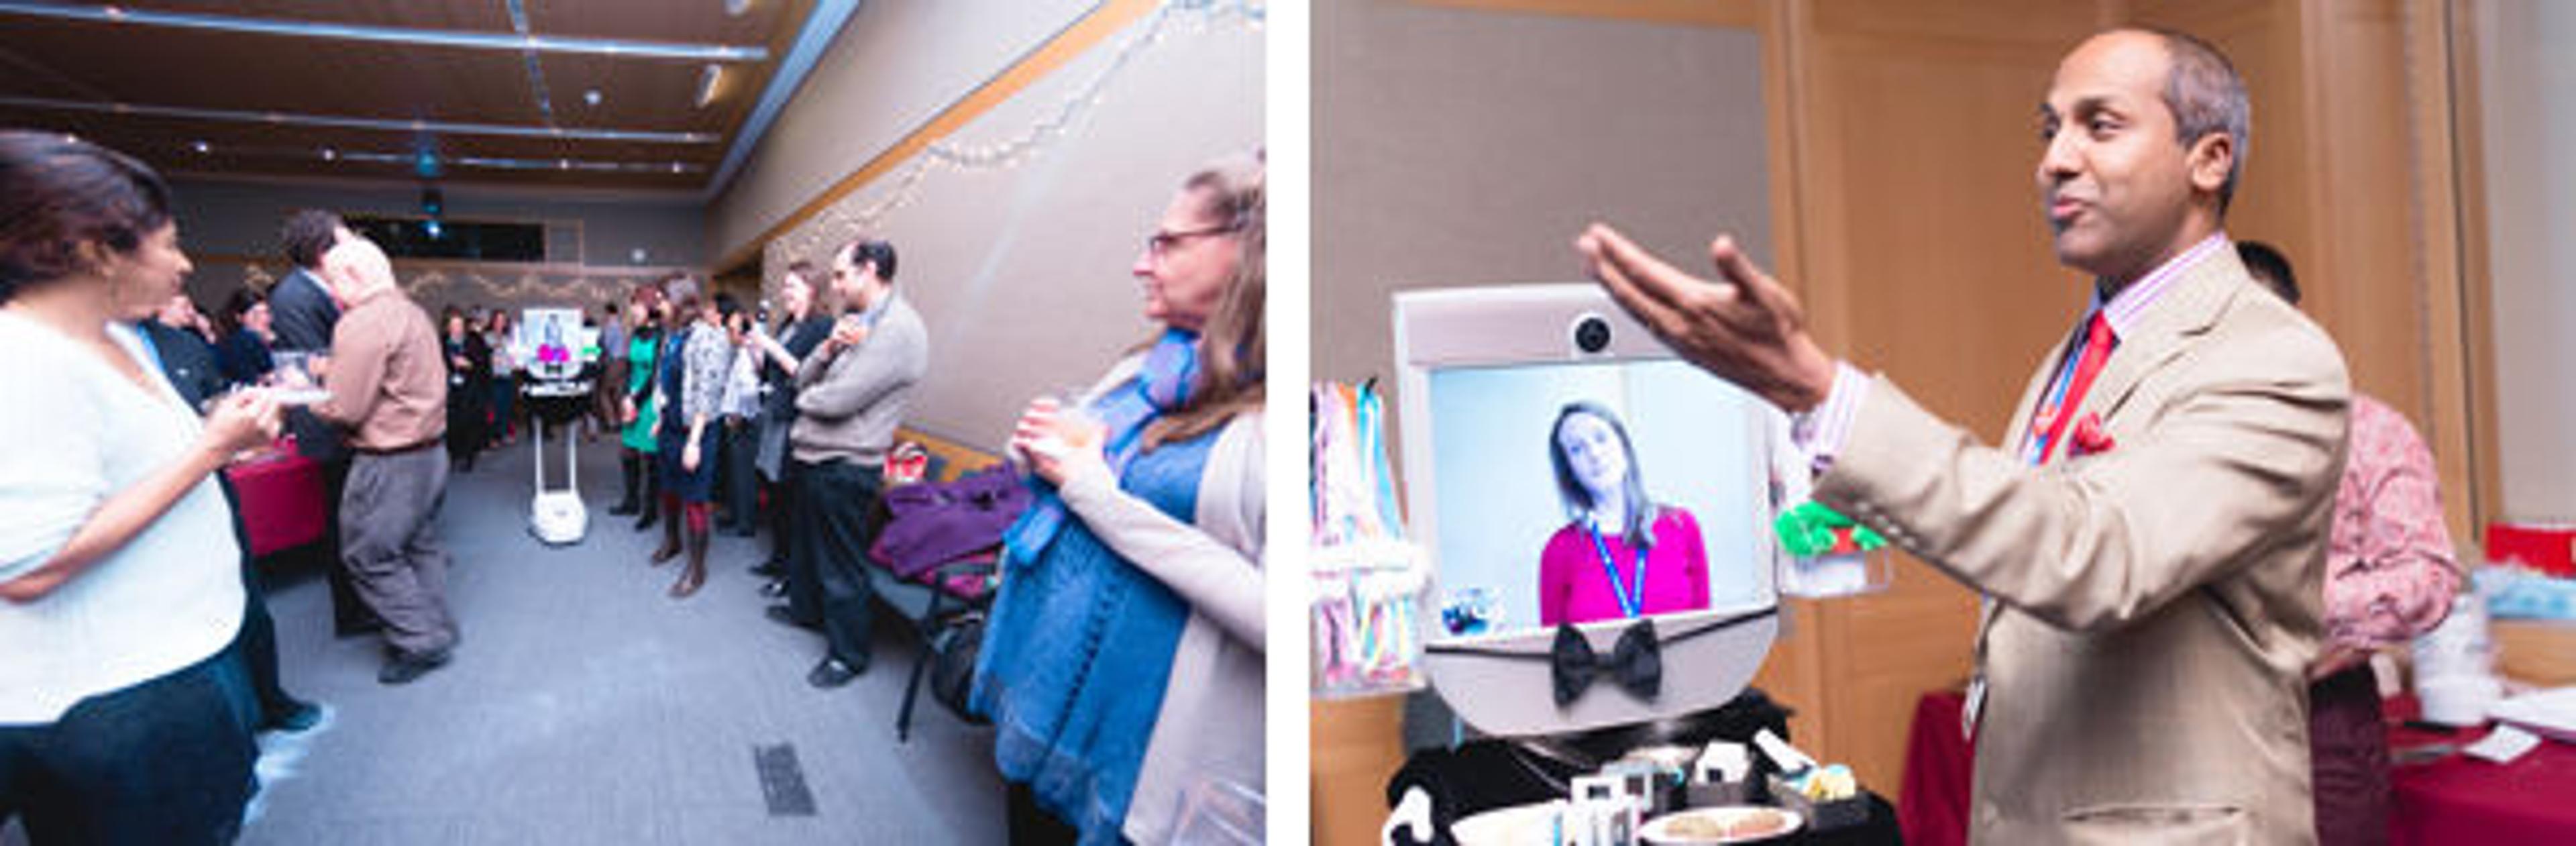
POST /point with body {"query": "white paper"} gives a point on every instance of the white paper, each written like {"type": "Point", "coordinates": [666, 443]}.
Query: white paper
{"type": "Point", "coordinates": [2504, 744]}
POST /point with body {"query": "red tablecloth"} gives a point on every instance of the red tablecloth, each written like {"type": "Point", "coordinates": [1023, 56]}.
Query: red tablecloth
{"type": "Point", "coordinates": [1932, 806]}
{"type": "Point", "coordinates": [2459, 799]}
{"type": "Point", "coordinates": [2456, 799]}
{"type": "Point", "coordinates": [281, 501]}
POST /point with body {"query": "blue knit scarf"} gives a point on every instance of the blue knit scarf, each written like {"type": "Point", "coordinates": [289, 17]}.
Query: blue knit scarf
{"type": "Point", "coordinates": [1161, 385]}
{"type": "Point", "coordinates": [1078, 650]}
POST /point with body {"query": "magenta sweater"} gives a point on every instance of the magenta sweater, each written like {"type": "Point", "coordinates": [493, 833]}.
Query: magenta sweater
{"type": "Point", "coordinates": [1572, 587]}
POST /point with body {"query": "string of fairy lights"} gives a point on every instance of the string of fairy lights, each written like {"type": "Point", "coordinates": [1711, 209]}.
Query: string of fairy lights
{"type": "Point", "coordinates": [466, 287]}
{"type": "Point", "coordinates": [867, 211]}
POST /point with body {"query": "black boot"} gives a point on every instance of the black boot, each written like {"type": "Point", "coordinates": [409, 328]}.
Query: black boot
{"type": "Point", "coordinates": [670, 533]}
{"type": "Point", "coordinates": [626, 474]}
{"type": "Point", "coordinates": [652, 494]}
{"type": "Point", "coordinates": [695, 574]}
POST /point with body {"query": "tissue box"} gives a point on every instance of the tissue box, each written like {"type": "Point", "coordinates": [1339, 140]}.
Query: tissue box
{"type": "Point", "coordinates": [1820, 816]}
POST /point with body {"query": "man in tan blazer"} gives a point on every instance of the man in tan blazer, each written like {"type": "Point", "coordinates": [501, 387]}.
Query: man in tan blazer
{"type": "Point", "coordinates": [2151, 565]}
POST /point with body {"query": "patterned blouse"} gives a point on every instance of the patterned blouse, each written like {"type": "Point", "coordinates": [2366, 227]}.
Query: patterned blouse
{"type": "Point", "coordinates": [2390, 571]}
{"type": "Point", "coordinates": [708, 356]}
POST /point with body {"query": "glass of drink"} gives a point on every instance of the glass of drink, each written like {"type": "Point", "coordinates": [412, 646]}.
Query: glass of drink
{"type": "Point", "coordinates": [292, 379]}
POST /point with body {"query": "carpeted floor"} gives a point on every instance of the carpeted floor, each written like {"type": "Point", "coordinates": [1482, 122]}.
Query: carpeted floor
{"type": "Point", "coordinates": [584, 706]}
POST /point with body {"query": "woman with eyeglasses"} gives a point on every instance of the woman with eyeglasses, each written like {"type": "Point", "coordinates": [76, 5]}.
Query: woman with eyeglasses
{"type": "Point", "coordinates": [123, 716]}
{"type": "Point", "coordinates": [1122, 661]}
{"type": "Point", "coordinates": [1621, 554]}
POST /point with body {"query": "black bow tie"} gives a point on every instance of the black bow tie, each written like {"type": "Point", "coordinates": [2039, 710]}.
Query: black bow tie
{"type": "Point", "coordinates": [1636, 663]}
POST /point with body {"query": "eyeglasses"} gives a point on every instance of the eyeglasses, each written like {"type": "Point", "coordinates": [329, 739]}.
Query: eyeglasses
{"type": "Point", "coordinates": [1162, 242]}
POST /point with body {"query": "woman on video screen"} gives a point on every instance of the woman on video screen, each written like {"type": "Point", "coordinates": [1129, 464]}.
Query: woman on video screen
{"type": "Point", "coordinates": [1620, 555]}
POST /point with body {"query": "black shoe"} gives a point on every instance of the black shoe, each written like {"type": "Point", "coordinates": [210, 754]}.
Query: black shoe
{"type": "Point", "coordinates": [624, 509]}
{"type": "Point", "coordinates": [295, 717]}
{"type": "Point", "coordinates": [403, 668]}
{"type": "Point", "coordinates": [746, 532]}
{"type": "Point", "coordinates": [772, 568]}
{"type": "Point", "coordinates": [773, 589]}
{"type": "Point", "coordinates": [833, 672]}
{"type": "Point", "coordinates": [356, 628]}
{"type": "Point", "coordinates": [645, 522]}
{"type": "Point", "coordinates": [783, 616]}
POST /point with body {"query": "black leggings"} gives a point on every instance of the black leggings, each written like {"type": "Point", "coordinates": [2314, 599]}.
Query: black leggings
{"type": "Point", "coordinates": [164, 761]}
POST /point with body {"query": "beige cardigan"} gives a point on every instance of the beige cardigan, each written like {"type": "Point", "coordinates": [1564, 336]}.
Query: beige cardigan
{"type": "Point", "coordinates": [1210, 725]}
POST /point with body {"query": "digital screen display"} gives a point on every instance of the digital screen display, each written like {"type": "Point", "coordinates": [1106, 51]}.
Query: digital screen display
{"type": "Point", "coordinates": [1582, 492]}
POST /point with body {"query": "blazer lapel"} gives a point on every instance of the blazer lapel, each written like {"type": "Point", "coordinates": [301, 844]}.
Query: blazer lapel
{"type": "Point", "coordinates": [2016, 439]}
{"type": "Point", "coordinates": [2189, 308]}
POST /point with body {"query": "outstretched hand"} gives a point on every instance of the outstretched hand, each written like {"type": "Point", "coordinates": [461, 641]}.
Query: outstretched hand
{"type": "Point", "coordinates": [1744, 326]}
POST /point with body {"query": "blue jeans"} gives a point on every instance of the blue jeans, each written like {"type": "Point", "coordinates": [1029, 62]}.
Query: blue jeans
{"type": "Point", "coordinates": [164, 761]}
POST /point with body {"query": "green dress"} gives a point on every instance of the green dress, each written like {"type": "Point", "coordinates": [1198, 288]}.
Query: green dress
{"type": "Point", "coordinates": [640, 351]}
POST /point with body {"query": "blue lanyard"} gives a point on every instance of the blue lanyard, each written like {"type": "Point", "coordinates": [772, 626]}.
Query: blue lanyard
{"type": "Point", "coordinates": [2052, 404]}
{"type": "Point", "coordinates": [1628, 605]}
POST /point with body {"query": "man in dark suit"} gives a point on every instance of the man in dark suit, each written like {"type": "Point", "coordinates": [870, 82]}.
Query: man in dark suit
{"type": "Point", "coordinates": [300, 307]}
{"type": "Point", "coordinates": [302, 312]}
{"type": "Point", "coordinates": [186, 357]}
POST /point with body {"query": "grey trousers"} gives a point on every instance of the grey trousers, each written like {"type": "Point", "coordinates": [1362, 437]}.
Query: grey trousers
{"type": "Point", "coordinates": [387, 543]}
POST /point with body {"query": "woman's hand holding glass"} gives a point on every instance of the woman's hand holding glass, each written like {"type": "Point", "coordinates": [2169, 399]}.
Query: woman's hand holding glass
{"type": "Point", "coordinates": [297, 378]}
{"type": "Point", "coordinates": [240, 421]}
{"type": "Point", "coordinates": [1060, 440]}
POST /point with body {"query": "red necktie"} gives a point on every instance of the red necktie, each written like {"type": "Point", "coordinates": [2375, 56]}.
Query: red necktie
{"type": "Point", "coordinates": [2097, 349]}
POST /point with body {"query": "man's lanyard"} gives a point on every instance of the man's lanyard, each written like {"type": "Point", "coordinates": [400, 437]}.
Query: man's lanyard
{"type": "Point", "coordinates": [2035, 443]}
{"type": "Point", "coordinates": [1629, 606]}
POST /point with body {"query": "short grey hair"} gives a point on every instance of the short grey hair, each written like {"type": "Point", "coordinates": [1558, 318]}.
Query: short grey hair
{"type": "Point", "coordinates": [2206, 95]}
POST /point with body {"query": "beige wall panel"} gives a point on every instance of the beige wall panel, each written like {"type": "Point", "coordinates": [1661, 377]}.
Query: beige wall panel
{"type": "Point", "coordinates": [2527, 121]}
{"type": "Point", "coordinates": [893, 66]}
{"type": "Point", "coordinates": [1022, 272]}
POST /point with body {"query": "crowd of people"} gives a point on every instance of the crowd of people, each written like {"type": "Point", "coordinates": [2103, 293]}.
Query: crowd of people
{"type": "Point", "coordinates": [1122, 661]}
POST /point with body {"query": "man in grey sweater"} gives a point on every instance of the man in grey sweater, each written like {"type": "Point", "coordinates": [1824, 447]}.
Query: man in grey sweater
{"type": "Point", "coordinates": [851, 394]}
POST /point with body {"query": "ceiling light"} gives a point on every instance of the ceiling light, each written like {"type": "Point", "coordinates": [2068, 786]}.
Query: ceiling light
{"type": "Point", "coordinates": [590, 97]}
{"type": "Point", "coordinates": [330, 155]}
{"type": "Point", "coordinates": [677, 167]}
{"type": "Point", "coordinates": [708, 80]}
{"type": "Point", "coordinates": [563, 164]}
{"type": "Point", "coordinates": [201, 146]}
{"type": "Point", "coordinates": [737, 7]}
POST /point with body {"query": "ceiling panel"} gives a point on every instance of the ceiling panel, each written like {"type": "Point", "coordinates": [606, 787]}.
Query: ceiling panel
{"type": "Point", "coordinates": [658, 96]}
{"type": "Point", "coordinates": [491, 16]}
{"type": "Point", "coordinates": [247, 95]}
{"type": "Point", "coordinates": [696, 21]}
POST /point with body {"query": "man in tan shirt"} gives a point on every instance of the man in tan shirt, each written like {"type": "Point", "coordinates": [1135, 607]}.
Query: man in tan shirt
{"type": "Point", "coordinates": [389, 388]}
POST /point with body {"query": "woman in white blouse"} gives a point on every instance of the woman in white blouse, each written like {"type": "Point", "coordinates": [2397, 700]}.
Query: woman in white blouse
{"type": "Point", "coordinates": [122, 716]}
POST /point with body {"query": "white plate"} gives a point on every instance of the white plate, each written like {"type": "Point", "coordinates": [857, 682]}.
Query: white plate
{"type": "Point", "coordinates": [1721, 819]}
{"type": "Point", "coordinates": [1518, 825]}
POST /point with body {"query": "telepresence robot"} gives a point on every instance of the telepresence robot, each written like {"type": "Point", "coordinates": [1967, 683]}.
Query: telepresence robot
{"type": "Point", "coordinates": [557, 389]}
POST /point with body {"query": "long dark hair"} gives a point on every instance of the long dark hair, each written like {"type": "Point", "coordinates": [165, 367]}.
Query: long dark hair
{"type": "Point", "coordinates": [1642, 509]}
{"type": "Point", "coordinates": [58, 193]}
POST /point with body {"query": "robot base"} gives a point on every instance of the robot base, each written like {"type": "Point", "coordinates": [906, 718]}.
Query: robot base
{"type": "Point", "coordinates": [558, 517]}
